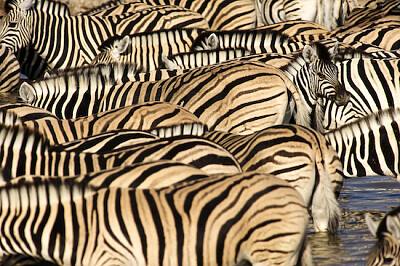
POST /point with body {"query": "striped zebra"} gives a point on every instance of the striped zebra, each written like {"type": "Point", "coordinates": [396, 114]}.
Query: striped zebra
{"type": "Point", "coordinates": [145, 49]}
{"type": "Point", "coordinates": [248, 218]}
{"type": "Point", "coordinates": [369, 146]}
{"type": "Point", "coordinates": [158, 118]}
{"type": "Point", "coordinates": [240, 97]}
{"type": "Point", "coordinates": [330, 14]}
{"type": "Point", "coordinates": [23, 25]}
{"type": "Point", "coordinates": [363, 17]}
{"type": "Point", "coordinates": [220, 14]}
{"type": "Point", "coordinates": [152, 174]}
{"type": "Point", "coordinates": [358, 76]}
{"type": "Point", "coordinates": [298, 155]}
{"type": "Point", "coordinates": [386, 250]}
{"type": "Point", "coordinates": [9, 70]}
{"type": "Point", "coordinates": [26, 152]}
{"type": "Point", "coordinates": [267, 39]}
{"type": "Point", "coordinates": [115, 7]}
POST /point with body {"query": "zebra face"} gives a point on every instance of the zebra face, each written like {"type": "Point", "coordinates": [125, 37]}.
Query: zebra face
{"type": "Point", "coordinates": [15, 30]}
{"type": "Point", "coordinates": [324, 75]}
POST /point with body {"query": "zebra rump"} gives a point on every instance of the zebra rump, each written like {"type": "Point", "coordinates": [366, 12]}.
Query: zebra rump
{"type": "Point", "coordinates": [298, 155]}
{"type": "Point", "coordinates": [218, 220]}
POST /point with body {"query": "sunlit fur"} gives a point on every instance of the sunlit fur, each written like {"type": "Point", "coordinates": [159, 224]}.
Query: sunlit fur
{"type": "Point", "coordinates": [219, 221]}
{"type": "Point", "coordinates": [369, 146]}
{"type": "Point", "coordinates": [298, 155]}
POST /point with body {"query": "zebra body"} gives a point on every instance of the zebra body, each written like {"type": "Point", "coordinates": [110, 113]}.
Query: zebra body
{"type": "Point", "coordinates": [240, 97]}
{"type": "Point", "coordinates": [330, 14]}
{"type": "Point", "coordinates": [373, 85]}
{"type": "Point", "coordinates": [369, 146]}
{"type": "Point", "coordinates": [298, 155]}
{"type": "Point", "coordinates": [145, 49]}
{"type": "Point", "coordinates": [218, 220]}
{"type": "Point", "coordinates": [83, 34]}
{"type": "Point", "coordinates": [112, 8]}
{"type": "Point", "coordinates": [159, 118]}
{"type": "Point", "coordinates": [156, 174]}
{"type": "Point", "coordinates": [9, 70]}
{"type": "Point", "coordinates": [387, 247]}
{"type": "Point", "coordinates": [25, 152]}
{"type": "Point", "coordinates": [220, 14]}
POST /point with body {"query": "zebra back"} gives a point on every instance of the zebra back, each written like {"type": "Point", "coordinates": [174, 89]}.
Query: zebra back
{"type": "Point", "coordinates": [369, 146]}
{"type": "Point", "coordinates": [219, 13]}
{"type": "Point", "coordinates": [157, 174]}
{"type": "Point", "coordinates": [10, 70]}
{"type": "Point", "coordinates": [201, 58]}
{"type": "Point", "coordinates": [158, 118]}
{"type": "Point", "coordinates": [26, 152]}
{"type": "Point", "coordinates": [146, 49]}
{"type": "Point", "coordinates": [298, 155]}
{"type": "Point", "coordinates": [387, 246]}
{"type": "Point", "coordinates": [219, 221]}
{"type": "Point", "coordinates": [258, 40]}
{"type": "Point", "coordinates": [115, 7]}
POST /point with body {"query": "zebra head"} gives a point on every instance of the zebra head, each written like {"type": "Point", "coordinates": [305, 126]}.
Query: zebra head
{"type": "Point", "coordinates": [386, 250]}
{"type": "Point", "coordinates": [321, 75]}
{"type": "Point", "coordinates": [111, 50]}
{"type": "Point", "coordinates": [15, 26]}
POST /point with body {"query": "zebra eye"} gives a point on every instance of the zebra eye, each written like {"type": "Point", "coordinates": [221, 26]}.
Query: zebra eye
{"type": "Point", "coordinates": [387, 261]}
{"type": "Point", "coordinates": [12, 24]}
{"type": "Point", "coordinates": [321, 75]}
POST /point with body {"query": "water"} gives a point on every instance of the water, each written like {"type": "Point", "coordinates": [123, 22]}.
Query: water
{"type": "Point", "coordinates": [376, 195]}
{"type": "Point", "coordinates": [350, 246]}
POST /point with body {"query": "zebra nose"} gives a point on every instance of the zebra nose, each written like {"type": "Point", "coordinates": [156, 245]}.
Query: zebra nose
{"type": "Point", "coordinates": [342, 96]}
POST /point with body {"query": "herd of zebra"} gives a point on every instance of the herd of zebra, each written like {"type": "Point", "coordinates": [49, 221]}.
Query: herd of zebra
{"type": "Point", "coordinates": [173, 132]}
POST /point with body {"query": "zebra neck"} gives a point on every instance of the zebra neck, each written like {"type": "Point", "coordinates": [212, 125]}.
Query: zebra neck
{"type": "Point", "coordinates": [297, 71]}
{"type": "Point", "coordinates": [64, 41]}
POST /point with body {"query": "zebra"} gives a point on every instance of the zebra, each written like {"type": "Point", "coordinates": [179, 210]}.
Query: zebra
{"type": "Point", "coordinates": [158, 118]}
{"type": "Point", "coordinates": [9, 70]}
{"type": "Point", "coordinates": [383, 37]}
{"type": "Point", "coordinates": [298, 155]}
{"type": "Point", "coordinates": [267, 39]}
{"type": "Point", "coordinates": [386, 250]}
{"type": "Point", "coordinates": [145, 49]}
{"type": "Point", "coordinates": [26, 152]}
{"type": "Point", "coordinates": [329, 14]}
{"type": "Point", "coordinates": [23, 25]}
{"type": "Point", "coordinates": [240, 97]}
{"type": "Point", "coordinates": [220, 220]}
{"type": "Point", "coordinates": [364, 17]}
{"type": "Point", "coordinates": [220, 14]}
{"type": "Point", "coordinates": [144, 175]}
{"type": "Point", "coordinates": [114, 7]}
{"type": "Point", "coordinates": [369, 146]}
{"type": "Point", "coordinates": [358, 76]}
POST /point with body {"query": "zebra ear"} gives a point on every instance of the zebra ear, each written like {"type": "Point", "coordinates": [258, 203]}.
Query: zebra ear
{"type": "Point", "coordinates": [334, 50]}
{"type": "Point", "coordinates": [26, 93]}
{"type": "Point", "coordinates": [46, 75]}
{"type": "Point", "coordinates": [372, 225]}
{"type": "Point", "coordinates": [119, 47]}
{"type": "Point", "coordinates": [309, 54]}
{"type": "Point", "coordinates": [26, 4]}
{"type": "Point", "coordinates": [212, 41]}
{"type": "Point", "coordinates": [393, 225]}
{"type": "Point", "coordinates": [169, 64]}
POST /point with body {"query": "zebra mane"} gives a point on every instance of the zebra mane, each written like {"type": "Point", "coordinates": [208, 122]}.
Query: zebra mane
{"type": "Point", "coordinates": [107, 44]}
{"type": "Point", "coordinates": [369, 123]}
